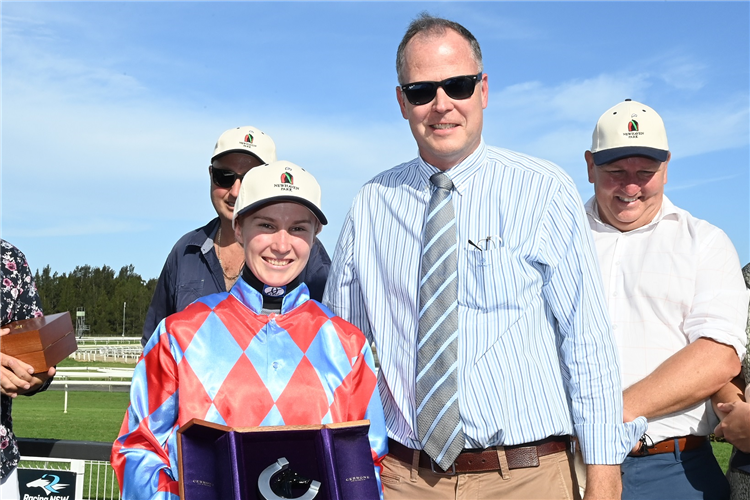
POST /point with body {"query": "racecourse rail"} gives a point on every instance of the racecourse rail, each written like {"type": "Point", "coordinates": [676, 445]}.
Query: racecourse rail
{"type": "Point", "coordinates": [108, 349]}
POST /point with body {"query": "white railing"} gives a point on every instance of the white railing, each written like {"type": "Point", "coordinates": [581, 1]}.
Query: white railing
{"type": "Point", "coordinates": [93, 373]}
{"type": "Point", "coordinates": [109, 340]}
{"type": "Point", "coordinates": [101, 480]}
{"type": "Point", "coordinates": [77, 378]}
{"type": "Point", "coordinates": [115, 353]}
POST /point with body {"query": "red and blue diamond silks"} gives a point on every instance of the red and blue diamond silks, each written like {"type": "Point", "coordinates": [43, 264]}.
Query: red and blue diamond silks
{"type": "Point", "coordinates": [223, 361]}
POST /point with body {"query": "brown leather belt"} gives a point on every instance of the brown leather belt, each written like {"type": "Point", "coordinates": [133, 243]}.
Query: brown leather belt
{"type": "Point", "coordinates": [518, 456]}
{"type": "Point", "coordinates": [685, 443]}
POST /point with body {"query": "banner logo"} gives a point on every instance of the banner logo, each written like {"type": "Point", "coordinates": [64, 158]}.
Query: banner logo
{"type": "Point", "coordinates": [274, 291]}
{"type": "Point", "coordinates": [50, 483]}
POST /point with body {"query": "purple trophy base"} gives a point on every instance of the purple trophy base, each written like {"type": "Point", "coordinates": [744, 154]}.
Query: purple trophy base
{"type": "Point", "coordinates": [221, 463]}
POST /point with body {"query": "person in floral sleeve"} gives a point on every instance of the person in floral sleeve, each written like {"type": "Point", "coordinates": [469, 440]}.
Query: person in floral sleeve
{"type": "Point", "coordinates": [18, 300]}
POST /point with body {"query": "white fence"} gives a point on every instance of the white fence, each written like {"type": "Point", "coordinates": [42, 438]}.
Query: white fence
{"type": "Point", "coordinates": [114, 353]}
{"type": "Point", "coordinates": [91, 379]}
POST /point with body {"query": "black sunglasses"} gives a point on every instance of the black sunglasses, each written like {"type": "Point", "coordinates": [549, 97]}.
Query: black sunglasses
{"type": "Point", "coordinates": [457, 87]}
{"type": "Point", "coordinates": [225, 178]}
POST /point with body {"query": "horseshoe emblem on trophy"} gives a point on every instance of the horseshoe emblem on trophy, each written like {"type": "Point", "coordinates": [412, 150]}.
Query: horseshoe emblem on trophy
{"type": "Point", "coordinates": [284, 481]}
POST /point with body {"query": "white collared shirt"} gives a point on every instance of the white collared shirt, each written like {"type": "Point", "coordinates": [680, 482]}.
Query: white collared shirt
{"type": "Point", "coordinates": [669, 283]}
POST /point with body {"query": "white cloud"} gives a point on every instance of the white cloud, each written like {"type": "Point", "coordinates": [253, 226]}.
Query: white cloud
{"type": "Point", "coordinates": [103, 141]}
{"type": "Point", "coordinates": [701, 182]}
{"type": "Point", "coordinates": [679, 70]}
{"type": "Point", "coordinates": [556, 121]}
{"type": "Point", "coordinates": [706, 127]}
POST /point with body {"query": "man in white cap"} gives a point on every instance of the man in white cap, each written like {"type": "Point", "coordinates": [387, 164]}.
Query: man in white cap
{"type": "Point", "coordinates": [677, 303]}
{"type": "Point", "coordinates": [209, 259]}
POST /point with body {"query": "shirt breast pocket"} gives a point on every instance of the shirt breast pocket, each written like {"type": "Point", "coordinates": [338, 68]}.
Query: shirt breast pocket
{"type": "Point", "coordinates": [187, 293]}
{"type": "Point", "coordinates": [495, 280]}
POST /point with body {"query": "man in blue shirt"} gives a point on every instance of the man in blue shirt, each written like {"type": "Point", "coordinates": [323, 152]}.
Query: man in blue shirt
{"type": "Point", "coordinates": [209, 259]}
{"type": "Point", "coordinates": [473, 270]}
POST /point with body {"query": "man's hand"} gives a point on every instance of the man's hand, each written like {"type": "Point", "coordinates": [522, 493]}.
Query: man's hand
{"type": "Point", "coordinates": [735, 427]}
{"type": "Point", "coordinates": [17, 377]}
{"type": "Point", "coordinates": [603, 482]}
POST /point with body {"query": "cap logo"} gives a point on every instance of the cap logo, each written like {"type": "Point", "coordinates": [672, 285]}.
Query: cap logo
{"type": "Point", "coordinates": [634, 131]}
{"type": "Point", "coordinates": [248, 139]}
{"type": "Point", "coordinates": [287, 182]}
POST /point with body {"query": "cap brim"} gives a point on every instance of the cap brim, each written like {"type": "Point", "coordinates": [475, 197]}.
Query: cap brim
{"type": "Point", "coordinates": [239, 150]}
{"type": "Point", "coordinates": [277, 199]}
{"type": "Point", "coordinates": [614, 154]}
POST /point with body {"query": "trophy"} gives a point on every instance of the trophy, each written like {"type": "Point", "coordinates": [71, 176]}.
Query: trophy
{"type": "Point", "coordinates": [279, 482]}
{"type": "Point", "coordinates": [301, 462]}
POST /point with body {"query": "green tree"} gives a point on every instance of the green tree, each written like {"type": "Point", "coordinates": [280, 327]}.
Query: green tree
{"type": "Point", "coordinates": [102, 294]}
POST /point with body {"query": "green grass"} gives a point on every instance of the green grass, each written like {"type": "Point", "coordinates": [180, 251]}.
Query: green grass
{"type": "Point", "coordinates": [722, 451]}
{"type": "Point", "coordinates": [70, 362]}
{"type": "Point", "coordinates": [92, 416]}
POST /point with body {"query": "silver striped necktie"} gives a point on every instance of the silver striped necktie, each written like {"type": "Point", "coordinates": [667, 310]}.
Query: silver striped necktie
{"type": "Point", "coordinates": [438, 422]}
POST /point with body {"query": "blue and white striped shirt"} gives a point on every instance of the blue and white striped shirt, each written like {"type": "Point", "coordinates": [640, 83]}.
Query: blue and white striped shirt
{"type": "Point", "coordinates": [536, 355]}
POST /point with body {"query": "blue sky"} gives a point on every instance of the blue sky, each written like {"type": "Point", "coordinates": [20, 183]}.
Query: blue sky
{"type": "Point", "coordinates": [110, 110]}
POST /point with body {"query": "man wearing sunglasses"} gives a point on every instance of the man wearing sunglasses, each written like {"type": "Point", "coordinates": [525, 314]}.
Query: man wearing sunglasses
{"type": "Point", "coordinates": [473, 270]}
{"type": "Point", "coordinates": [209, 259]}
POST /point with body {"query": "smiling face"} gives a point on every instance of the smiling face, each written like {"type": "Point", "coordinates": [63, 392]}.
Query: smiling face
{"type": "Point", "coordinates": [629, 192]}
{"type": "Point", "coordinates": [277, 239]}
{"type": "Point", "coordinates": [223, 199]}
{"type": "Point", "coordinates": [446, 130]}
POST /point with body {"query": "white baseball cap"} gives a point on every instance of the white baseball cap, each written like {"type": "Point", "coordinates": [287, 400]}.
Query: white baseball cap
{"type": "Point", "coordinates": [278, 181]}
{"type": "Point", "coordinates": [246, 140]}
{"type": "Point", "coordinates": [629, 129]}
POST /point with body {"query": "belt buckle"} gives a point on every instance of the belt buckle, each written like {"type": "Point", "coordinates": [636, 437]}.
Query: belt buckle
{"type": "Point", "coordinates": [442, 472]}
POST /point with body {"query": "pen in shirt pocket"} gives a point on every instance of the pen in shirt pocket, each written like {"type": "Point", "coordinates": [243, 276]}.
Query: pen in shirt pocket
{"type": "Point", "coordinates": [475, 245]}
{"type": "Point", "coordinates": [490, 242]}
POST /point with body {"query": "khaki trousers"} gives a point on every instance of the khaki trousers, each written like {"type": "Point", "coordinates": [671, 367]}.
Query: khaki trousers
{"type": "Point", "coordinates": [553, 480]}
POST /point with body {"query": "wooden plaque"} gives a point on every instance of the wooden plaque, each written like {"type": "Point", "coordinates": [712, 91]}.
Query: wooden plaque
{"type": "Point", "coordinates": [41, 342]}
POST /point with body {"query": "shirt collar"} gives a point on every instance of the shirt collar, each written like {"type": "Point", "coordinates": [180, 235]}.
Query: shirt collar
{"type": "Point", "coordinates": [252, 298]}
{"type": "Point", "coordinates": [667, 211]}
{"type": "Point", "coordinates": [204, 238]}
{"type": "Point", "coordinates": [461, 173]}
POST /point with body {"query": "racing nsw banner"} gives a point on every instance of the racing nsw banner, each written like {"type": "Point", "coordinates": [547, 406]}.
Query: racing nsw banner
{"type": "Point", "coordinates": [39, 484]}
